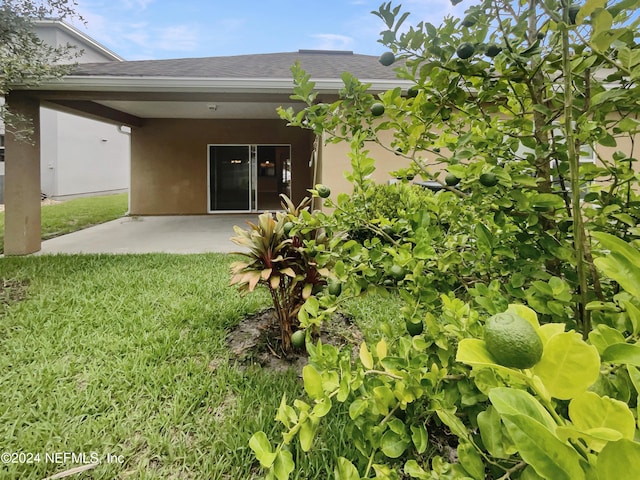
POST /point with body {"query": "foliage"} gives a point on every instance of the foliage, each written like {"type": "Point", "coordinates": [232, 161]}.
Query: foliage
{"type": "Point", "coordinates": [278, 261]}
{"type": "Point", "coordinates": [24, 58]}
{"type": "Point", "coordinates": [509, 114]}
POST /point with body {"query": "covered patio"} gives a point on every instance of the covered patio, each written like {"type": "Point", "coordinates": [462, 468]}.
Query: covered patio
{"type": "Point", "coordinates": [205, 134]}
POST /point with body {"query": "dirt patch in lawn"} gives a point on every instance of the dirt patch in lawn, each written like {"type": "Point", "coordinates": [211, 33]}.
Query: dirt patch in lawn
{"type": "Point", "coordinates": [256, 339]}
{"type": "Point", "coordinates": [11, 291]}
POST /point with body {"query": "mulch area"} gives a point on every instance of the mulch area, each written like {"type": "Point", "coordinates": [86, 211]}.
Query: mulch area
{"type": "Point", "coordinates": [256, 339]}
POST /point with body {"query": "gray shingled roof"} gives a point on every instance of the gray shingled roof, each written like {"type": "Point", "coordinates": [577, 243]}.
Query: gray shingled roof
{"type": "Point", "coordinates": [319, 64]}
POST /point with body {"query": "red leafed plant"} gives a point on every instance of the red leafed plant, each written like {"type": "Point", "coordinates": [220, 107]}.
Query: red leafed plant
{"type": "Point", "coordinates": [277, 260]}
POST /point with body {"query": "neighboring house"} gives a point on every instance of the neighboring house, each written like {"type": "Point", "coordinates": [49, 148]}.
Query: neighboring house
{"type": "Point", "coordinates": [79, 156]}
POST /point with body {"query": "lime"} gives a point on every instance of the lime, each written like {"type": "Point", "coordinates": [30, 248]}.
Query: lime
{"type": "Point", "coordinates": [414, 328]}
{"type": "Point", "coordinates": [334, 287]}
{"type": "Point", "coordinates": [323, 191]}
{"type": "Point", "coordinates": [287, 227]}
{"type": "Point", "coordinates": [512, 341]}
{"type": "Point", "coordinates": [397, 272]}
{"type": "Point", "coordinates": [489, 179]}
{"type": "Point", "coordinates": [451, 180]}
{"type": "Point", "coordinates": [413, 91]}
{"type": "Point", "coordinates": [387, 58]}
{"type": "Point", "coordinates": [492, 50]}
{"type": "Point", "coordinates": [377, 109]}
{"type": "Point", "coordinates": [465, 50]}
{"type": "Point", "coordinates": [298, 339]}
{"type": "Point", "coordinates": [470, 20]}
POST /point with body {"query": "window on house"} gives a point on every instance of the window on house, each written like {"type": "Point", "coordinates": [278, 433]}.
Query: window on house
{"type": "Point", "coordinates": [1, 147]}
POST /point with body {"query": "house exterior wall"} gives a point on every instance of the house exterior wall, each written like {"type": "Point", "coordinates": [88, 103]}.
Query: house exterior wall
{"type": "Point", "coordinates": [335, 162]}
{"type": "Point", "coordinates": [169, 160]}
{"type": "Point", "coordinates": [82, 156]}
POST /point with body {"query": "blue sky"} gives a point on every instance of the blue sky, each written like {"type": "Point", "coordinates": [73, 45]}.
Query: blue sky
{"type": "Point", "coordinates": [156, 29]}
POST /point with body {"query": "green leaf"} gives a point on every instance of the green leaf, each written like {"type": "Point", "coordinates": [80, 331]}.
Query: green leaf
{"type": "Point", "coordinates": [283, 466]}
{"type": "Point", "coordinates": [473, 351]}
{"type": "Point", "coordinates": [312, 382]}
{"type": "Point", "coordinates": [549, 457]}
{"type": "Point", "coordinates": [603, 336]}
{"type": "Point", "coordinates": [307, 432]}
{"type": "Point", "coordinates": [568, 365]}
{"type": "Point", "coordinates": [622, 264]}
{"type": "Point", "coordinates": [549, 330]}
{"type": "Point", "coordinates": [622, 353]}
{"type": "Point", "coordinates": [511, 401]}
{"type": "Point", "coordinates": [618, 460]}
{"type": "Point", "coordinates": [493, 434]}
{"type": "Point", "coordinates": [365, 356]}
{"type": "Point", "coordinates": [414, 470]}
{"type": "Point", "coordinates": [525, 312]}
{"type": "Point", "coordinates": [419, 437]}
{"type": "Point", "coordinates": [634, 376]}
{"type": "Point", "coordinates": [393, 444]}
{"type": "Point", "coordinates": [470, 460]}
{"type": "Point", "coordinates": [590, 411]}
{"type": "Point", "coordinates": [454, 423]}
{"type": "Point", "coordinates": [261, 446]}
{"type": "Point", "coordinates": [633, 313]}
{"type": "Point", "coordinates": [485, 237]}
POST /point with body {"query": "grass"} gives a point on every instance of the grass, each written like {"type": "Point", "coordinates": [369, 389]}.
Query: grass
{"type": "Point", "coordinates": [125, 356]}
{"type": "Point", "coordinates": [71, 215]}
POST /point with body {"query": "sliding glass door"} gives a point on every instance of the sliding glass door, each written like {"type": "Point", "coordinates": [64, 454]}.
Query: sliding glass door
{"type": "Point", "coordinates": [230, 184]}
{"type": "Point", "coordinates": [248, 178]}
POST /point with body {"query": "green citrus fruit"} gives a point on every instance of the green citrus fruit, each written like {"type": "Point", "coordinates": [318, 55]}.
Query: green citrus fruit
{"type": "Point", "coordinates": [492, 50]}
{"type": "Point", "coordinates": [298, 339]}
{"type": "Point", "coordinates": [512, 341]}
{"type": "Point", "coordinates": [489, 179]}
{"type": "Point", "coordinates": [387, 58]}
{"type": "Point", "coordinates": [377, 109]}
{"type": "Point", "coordinates": [414, 328]}
{"type": "Point", "coordinates": [465, 50]}
{"type": "Point", "coordinates": [334, 287]}
{"type": "Point", "coordinates": [451, 180]}
{"type": "Point", "coordinates": [397, 272]}
{"type": "Point", "coordinates": [287, 227]}
{"type": "Point", "coordinates": [323, 191]}
{"type": "Point", "coordinates": [413, 91]}
{"type": "Point", "coordinates": [470, 20]}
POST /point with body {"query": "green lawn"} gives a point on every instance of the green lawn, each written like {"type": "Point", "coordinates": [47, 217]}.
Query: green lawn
{"type": "Point", "coordinates": [72, 215]}
{"type": "Point", "coordinates": [125, 356]}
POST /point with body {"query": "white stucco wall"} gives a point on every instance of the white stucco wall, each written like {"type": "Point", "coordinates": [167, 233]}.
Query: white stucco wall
{"type": "Point", "coordinates": [82, 156]}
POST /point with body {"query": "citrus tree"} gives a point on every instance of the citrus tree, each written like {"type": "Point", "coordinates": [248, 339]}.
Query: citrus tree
{"type": "Point", "coordinates": [509, 101]}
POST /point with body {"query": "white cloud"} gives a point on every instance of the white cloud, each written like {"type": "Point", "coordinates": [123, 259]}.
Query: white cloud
{"type": "Point", "coordinates": [331, 41]}
{"type": "Point", "coordinates": [178, 38]}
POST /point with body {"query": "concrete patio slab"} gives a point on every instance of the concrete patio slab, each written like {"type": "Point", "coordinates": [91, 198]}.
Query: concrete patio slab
{"type": "Point", "coordinates": [157, 234]}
